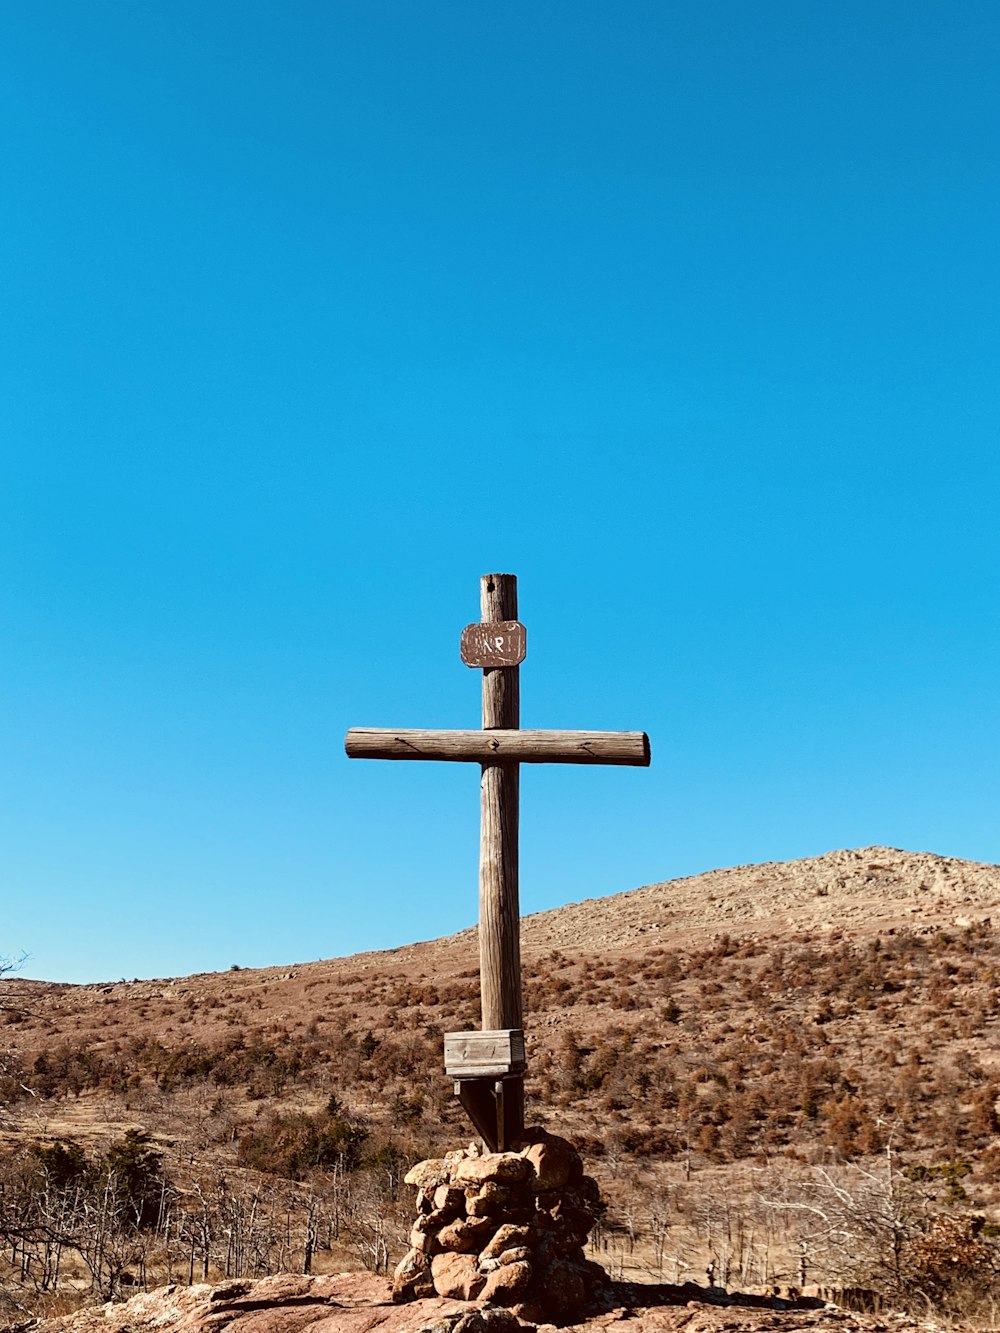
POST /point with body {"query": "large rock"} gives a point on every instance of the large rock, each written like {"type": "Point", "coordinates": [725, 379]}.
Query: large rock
{"type": "Point", "coordinates": [519, 1254]}
{"type": "Point", "coordinates": [457, 1275]}
{"type": "Point", "coordinates": [506, 1238]}
{"type": "Point", "coordinates": [563, 1290]}
{"type": "Point", "coordinates": [449, 1200]}
{"type": "Point", "coordinates": [555, 1162]}
{"type": "Point", "coordinates": [412, 1279]}
{"type": "Point", "coordinates": [429, 1174]}
{"type": "Point", "coordinates": [424, 1235]}
{"type": "Point", "coordinates": [502, 1168]}
{"type": "Point", "coordinates": [491, 1200]}
{"type": "Point", "coordinates": [466, 1235]}
{"type": "Point", "coordinates": [507, 1284]}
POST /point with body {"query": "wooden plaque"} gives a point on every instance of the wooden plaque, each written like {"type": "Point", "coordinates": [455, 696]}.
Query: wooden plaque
{"type": "Point", "coordinates": [497, 643]}
{"type": "Point", "coordinates": [484, 1054]}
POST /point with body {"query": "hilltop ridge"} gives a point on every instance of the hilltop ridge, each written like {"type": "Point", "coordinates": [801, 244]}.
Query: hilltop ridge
{"type": "Point", "coordinates": [864, 889]}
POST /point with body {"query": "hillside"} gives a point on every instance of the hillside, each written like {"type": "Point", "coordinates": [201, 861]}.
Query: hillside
{"type": "Point", "coordinates": [720, 1047]}
{"type": "Point", "coordinates": [867, 891]}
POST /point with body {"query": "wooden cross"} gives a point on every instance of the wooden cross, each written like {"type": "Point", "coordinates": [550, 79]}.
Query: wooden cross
{"type": "Point", "coordinates": [489, 1066]}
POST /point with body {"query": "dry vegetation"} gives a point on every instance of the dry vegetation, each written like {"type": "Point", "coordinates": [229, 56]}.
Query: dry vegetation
{"type": "Point", "coordinates": [780, 1074]}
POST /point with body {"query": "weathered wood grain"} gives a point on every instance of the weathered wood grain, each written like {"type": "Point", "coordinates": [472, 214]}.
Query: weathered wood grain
{"type": "Point", "coordinates": [484, 1054]}
{"type": "Point", "coordinates": [499, 910]}
{"type": "Point", "coordinates": [525, 746]}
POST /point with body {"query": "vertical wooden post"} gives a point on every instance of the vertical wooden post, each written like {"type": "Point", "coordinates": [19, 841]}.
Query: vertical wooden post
{"type": "Point", "coordinates": [499, 911]}
{"type": "Point", "coordinates": [499, 908]}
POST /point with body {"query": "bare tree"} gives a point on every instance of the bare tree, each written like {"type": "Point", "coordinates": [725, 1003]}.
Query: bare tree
{"type": "Point", "coordinates": [855, 1222]}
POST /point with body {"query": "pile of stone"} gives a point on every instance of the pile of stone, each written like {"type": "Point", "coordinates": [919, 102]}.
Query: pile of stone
{"type": "Point", "coordinates": [505, 1229]}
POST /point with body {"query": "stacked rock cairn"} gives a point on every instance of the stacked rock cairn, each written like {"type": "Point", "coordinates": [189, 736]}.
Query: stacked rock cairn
{"type": "Point", "coordinates": [505, 1229]}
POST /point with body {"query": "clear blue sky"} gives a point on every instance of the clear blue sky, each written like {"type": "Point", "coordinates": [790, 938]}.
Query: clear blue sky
{"type": "Point", "coordinates": [313, 312]}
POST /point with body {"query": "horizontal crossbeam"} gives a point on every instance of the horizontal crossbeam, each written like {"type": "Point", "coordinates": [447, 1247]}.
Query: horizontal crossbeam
{"type": "Point", "coordinates": [483, 747]}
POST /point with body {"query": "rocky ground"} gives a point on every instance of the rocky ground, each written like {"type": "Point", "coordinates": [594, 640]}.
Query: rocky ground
{"type": "Point", "coordinates": [361, 1303]}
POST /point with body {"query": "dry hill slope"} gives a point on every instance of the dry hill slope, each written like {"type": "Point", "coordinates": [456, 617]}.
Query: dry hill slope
{"type": "Point", "coordinates": [865, 891]}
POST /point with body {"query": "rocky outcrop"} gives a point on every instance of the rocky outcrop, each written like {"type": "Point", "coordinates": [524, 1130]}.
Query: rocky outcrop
{"type": "Point", "coordinates": [360, 1303]}
{"type": "Point", "coordinates": [505, 1229]}
{"type": "Point", "coordinates": [285, 1303]}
